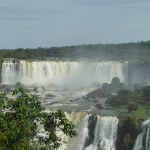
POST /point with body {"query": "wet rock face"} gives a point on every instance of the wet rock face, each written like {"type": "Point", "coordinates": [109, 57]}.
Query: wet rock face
{"type": "Point", "coordinates": [35, 89]}
{"type": "Point", "coordinates": [128, 129]}
{"type": "Point", "coordinates": [91, 127]}
{"type": "Point", "coordinates": [99, 106]}
{"type": "Point", "coordinates": [98, 93]}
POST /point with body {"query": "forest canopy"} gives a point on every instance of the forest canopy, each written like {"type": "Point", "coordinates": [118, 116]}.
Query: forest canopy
{"type": "Point", "coordinates": [123, 51]}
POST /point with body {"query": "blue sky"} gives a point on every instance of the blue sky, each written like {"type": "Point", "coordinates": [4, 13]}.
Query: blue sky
{"type": "Point", "coordinates": [46, 23]}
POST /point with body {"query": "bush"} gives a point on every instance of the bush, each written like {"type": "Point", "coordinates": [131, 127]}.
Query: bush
{"type": "Point", "coordinates": [21, 118]}
{"type": "Point", "coordinates": [141, 113]}
{"type": "Point", "coordinates": [132, 107]}
{"type": "Point", "coordinates": [146, 94]}
{"type": "Point", "coordinates": [122, 98]}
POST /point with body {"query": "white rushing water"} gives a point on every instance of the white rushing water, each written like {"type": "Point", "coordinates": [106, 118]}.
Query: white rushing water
{"type": "Point", "coordinates": [67, 73]}
{"type": "Point", "coordinates": [94, 133]}
{"type": "Point", "coordinates": [79, 119]}
{"type": "Point", "coordinates": [143, 139]}
{"type": "Point", "coordinates": [105, 134]}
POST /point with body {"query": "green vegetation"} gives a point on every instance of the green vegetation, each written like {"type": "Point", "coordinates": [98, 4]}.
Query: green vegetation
{"type": "Point", "coordinates": [137, 102]}
{"type": "Point", "coordinates": [122, 98]}
{"type": "Point", "coordinates": [141, 113]}
{"type": "Point", "coordinates": [21, 118]}
{"type": "Point", "coordinates": [124, 51]}
{"type": "Point", "coordinates": [1, 61]}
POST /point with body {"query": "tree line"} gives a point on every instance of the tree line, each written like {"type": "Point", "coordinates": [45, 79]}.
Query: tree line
{"type": "Point", "coordinates": [123, 51]}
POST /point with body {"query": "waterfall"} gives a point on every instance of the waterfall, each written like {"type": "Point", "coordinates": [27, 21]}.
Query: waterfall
{"type": "Point", "coordinates": [94, 132]}
{"type": "Point", "coordinates": [105, 134]}
{"type": "Point", "coordinates": [71, 73]}
{"type": "Point", "coordinates": [143, 139]}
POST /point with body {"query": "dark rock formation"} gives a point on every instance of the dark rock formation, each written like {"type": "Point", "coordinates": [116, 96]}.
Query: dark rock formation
{"type": "Point", "coordinates": [91, 127]}
{"type": "Point", "coordinates": [128, 129]}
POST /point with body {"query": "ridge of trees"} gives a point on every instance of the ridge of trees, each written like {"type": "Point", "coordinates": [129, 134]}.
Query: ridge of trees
{"type": "Point", "coordinates": [122, 51]}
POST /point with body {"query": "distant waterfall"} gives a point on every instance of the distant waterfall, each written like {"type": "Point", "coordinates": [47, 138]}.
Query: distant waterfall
{"type": "Point", "coordinates": [62, 73]}
{"type": "Point", "coordinates": [143, 139]}
{"type": "Point", "coordinates": [94, 133]}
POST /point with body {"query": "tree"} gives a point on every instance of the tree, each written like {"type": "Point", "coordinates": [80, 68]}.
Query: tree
{"type": "Point", "coordinates": [122, 98]}
{"type": "Point", "coordinates": [146, 94]}
{"type": "Point", "coordinates": [21, 119]}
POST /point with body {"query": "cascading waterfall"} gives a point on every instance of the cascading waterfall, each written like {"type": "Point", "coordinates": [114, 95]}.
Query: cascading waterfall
{"type": "Point", "coordinates": [105, 134]}
{"type": "Point", "coordinates": [79, 119]}
{"type": "Point", "coordinates": [94, 132]}
{"type": "Point", "coordinates": [143, 139]}
{"type": "Point", "coordinates": [61, 73]}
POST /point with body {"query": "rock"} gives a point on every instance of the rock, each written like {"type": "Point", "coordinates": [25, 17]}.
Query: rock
{"type": "Point", "coordinates": [91, 126]}
{"type": "Point", "coordinates": [54, 102]}
{"type": "Point", "coordinates": [27, 90]}
{"type": "Point", "coordinates": [99, 93]}
{"type": "Point", "coordinates": [95, 101]}
{"type": "Point", "coordinates": [18, 85]}
{"type": "Point", "coordinates": [99, 106]}
{"type": "Point", "coordinates": [128, 129]}
{"type": "Point", "coordinates": [3, 86]}
{"type": "Point", "coordinates": [7, 89]}
{"type": "Point", "coordinates": [35, 89]}
{"type": "Point", "coordinates": [50, 96]}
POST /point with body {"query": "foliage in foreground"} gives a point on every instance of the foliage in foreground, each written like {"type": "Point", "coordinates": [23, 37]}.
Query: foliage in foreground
{"type": "Point", "coordinates": [22, 119]}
